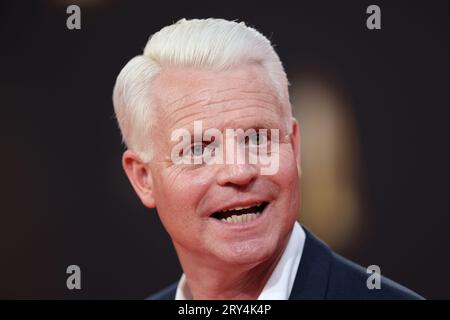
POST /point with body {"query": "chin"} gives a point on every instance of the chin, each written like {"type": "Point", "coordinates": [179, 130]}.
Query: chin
{"type": "Point", "coordinates": [249, 252]}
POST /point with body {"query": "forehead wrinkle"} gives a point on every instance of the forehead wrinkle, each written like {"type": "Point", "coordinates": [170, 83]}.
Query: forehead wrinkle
{"type": "Point", "coordinates": [256, 102]}
{"type": "Point", "coordinates": [264, 92]}
{"type": "Point", "coordinates": [200, 99]}
{"type": "Point", "coordinates": [261, 90]}
{"type": "Point", "coordinates": [227, 89]}
{"type": "Point", "coordinates": [173, 118]}
{"type": "Point", "coordinates": [264, 101]}
{"type": "Point", "coordinates": [199, 92]}
{"type": "Point", "coordinates": [165, 106]}
{"type": "Point", "coordinates": [263, 95]}
{"type": "Point", "coordinates": [211, 123]}
{"type": "Point", "coordinates": [262, 122]}
{"type": "Point", "coordinates": [268, 107]}
{"type": "Point", "coordinates": [167, 116]}
{"type": "Point", "coordinates": [221, 113]}
{"type": "Point", "coordinates": [184, 97]}
{"type": "Point", "coordinates": [209, 97]}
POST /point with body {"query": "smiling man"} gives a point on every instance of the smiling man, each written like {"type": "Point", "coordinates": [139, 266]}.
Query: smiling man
{"type": "Point", "coordinates": [233, 225]}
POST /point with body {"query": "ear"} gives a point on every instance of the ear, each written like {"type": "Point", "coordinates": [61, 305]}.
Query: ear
{"type": "Point", "coordinates": [140, 176]}
{"type": "Point", "coordinates": [296, 143]}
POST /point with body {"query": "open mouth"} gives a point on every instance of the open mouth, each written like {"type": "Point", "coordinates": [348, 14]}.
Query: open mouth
{"type": "Point", "coordinates": [241, 214]}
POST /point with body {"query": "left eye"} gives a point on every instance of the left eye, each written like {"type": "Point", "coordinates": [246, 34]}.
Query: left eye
{"type": "Point", "coordinates": [258, 139]}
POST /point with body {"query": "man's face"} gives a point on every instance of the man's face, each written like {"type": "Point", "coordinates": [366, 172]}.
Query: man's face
{"type": "Point", "coordinates": [190, 198]}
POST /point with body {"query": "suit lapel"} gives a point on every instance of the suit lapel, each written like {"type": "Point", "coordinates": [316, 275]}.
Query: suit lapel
{"type": "Point", "coordinates": [311, 280]}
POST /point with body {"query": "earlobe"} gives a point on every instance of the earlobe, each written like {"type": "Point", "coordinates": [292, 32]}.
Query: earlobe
{"type": "Point", "coordinates": [139, 174]}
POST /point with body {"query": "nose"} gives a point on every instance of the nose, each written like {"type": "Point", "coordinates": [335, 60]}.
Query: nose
{"type": "Point", "coordinates": [237, 174]}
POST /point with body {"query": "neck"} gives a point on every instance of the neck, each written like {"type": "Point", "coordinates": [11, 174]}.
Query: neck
{"type": "Point", "coordinates": [221, 281]}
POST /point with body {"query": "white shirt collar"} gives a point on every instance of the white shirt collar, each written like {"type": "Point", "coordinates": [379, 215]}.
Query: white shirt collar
{"type": "Point", "coordinates": [280, 283]}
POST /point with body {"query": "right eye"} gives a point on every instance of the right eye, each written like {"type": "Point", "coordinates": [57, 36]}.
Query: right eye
{"type": "Point", "coordinates": [197, 149]}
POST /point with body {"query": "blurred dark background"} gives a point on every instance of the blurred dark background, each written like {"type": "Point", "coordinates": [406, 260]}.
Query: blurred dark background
{"type": "Point", "coordinates": [65, 199]}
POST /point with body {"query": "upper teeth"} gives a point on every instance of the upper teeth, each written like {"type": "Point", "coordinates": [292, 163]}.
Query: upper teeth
{"type": "Point", "coordinates": [242, 208]}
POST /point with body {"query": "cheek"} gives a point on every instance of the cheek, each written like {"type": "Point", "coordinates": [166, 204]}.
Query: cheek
{"type": "Point", "coordinates": [177, 195]}
{"type": "Point", "coordinates": [287, 175]}
{"type": "Point", "coordinates": [287, 178]}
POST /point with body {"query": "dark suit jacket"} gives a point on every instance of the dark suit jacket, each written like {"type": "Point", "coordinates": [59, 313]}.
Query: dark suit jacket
{"type": "Point", "coordinates": [323, 274]}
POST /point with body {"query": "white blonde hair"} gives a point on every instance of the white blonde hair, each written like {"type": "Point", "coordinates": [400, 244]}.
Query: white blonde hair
{"type": "Point", "coordinates": [215, 44]}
